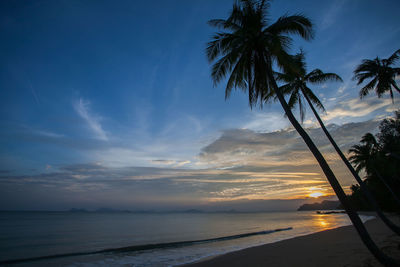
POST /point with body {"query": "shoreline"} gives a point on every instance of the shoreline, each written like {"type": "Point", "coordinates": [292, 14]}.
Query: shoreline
{"type": "Point", "coordinates": [333, 247]}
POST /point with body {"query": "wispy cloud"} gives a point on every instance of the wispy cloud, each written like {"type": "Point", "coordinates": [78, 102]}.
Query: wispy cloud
{"type": "Point", "coordinates": [35, 96]}
{"type": "Point", "coordinates": [48, 134]}
{"type": "Point", "coordinates": [82, 107]}
{"type": "Point", "coordinates": [266, 122]}
{"type": "Point", "coordinates": [331, 16]}
{"type": "Point", "coordinates": [172, 163]}
{"type": "Point", "coordinates": [356, 107]}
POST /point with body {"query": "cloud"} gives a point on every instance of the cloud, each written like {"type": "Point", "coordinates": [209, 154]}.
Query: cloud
{"type": "Point", "coordinates": [163, 161]}
{"type": "Point", "coordinates": [182, 163]}
{"type": "Point", "coordinates": [281, 151]}
{"type": "Point", "coordinates": [265, 122]}
{"type": "Point", "coordinates": [35, 96]}
{"type": "Point", "coordinates": [240, 165]}
{"type": "Point", "coordinates": [355, 108]}
{"type": "Point", "coordinates": [342, 89]}
{"type": "Point", "coordinates": [174, 163]}
{"type": "Point", "coordinates": [330, 17]}
{"type": "Point", "coordinates": [82, 107]}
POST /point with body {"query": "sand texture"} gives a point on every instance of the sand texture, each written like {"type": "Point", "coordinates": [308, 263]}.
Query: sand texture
{"type": "Point", "coordinates": [336, 247]}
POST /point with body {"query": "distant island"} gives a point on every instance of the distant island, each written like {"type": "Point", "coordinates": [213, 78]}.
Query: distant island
{"type": "Point", "coordinates": [324, 205]}
{"type": "Point", "coordinates": [109, 210]}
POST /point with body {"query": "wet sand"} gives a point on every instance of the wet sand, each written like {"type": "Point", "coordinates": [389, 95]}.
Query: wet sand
{"type": "Point", "coordinates": [336, 247]}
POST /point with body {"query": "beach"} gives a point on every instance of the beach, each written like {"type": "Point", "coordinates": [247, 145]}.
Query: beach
{"type": "Point", "coordinates": [335, 247]}
{"type": "Point", "coordinates": [175, 239]}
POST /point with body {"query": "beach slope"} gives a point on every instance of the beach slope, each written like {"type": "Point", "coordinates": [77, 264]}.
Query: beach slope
{"type": "Point", "coordinates": [336, 247]}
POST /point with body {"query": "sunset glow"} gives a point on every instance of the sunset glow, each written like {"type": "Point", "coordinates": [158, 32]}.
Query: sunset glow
{"type": "Point", "coordinates": [316, 194]}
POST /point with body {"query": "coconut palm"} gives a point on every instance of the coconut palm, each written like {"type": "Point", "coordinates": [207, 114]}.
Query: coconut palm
{"type": "Point", "coordinates": [297, 87]}
{"type": "Point", "coordinates": [246, 50]}
{"type": "Point", "coordinates": [382, 73]}
{"type": "Point", "coordinates": [366, 156]}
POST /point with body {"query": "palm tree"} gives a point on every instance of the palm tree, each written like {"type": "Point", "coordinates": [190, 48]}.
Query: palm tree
{"type": "Point", "coordinates": [296, 86]}
{"type": "Point", "coordinates": [247, 49]}
{"type": "Point", "coordinates": [365, 157]}
{"type": "Point", "coordinates": [381, 72]}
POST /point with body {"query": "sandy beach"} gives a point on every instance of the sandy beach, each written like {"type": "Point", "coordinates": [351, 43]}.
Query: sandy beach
{"type": "Point", "coordinates": [335, 247]}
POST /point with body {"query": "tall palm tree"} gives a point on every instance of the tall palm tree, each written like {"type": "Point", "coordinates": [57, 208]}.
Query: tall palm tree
{"type": "Point", "coordinates": [382, 73]}
{"type": "Point", "coordinates": [247, 49]}
{"type": "Point", "coordinates": [297, 86]}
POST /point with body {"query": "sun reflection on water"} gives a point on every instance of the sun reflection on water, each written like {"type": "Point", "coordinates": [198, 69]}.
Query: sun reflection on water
{"type": "Point", "coordinates": [325, 222]}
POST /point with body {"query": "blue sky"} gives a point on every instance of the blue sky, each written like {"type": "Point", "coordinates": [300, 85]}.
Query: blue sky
{"type": "Point", "coordinates": [111, 104]}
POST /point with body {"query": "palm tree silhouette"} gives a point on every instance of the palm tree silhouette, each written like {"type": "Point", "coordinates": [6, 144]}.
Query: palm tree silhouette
{"type": "Point", "coordinates": [296, 86]}
{"type": "Point", "coordinates": [381, 72]}
{"type": "Point", "coordinates": [366, 156]}
{"type": "Point", "coordinates": [247, 49]}
{"type": "Point", "coordinates": [363, 155]}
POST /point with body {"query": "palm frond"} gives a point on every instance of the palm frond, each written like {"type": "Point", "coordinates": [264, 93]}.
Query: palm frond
{"type": "Point", "coordinates": [367, 69]}
{"type": "Point", "coordinates": [295, 24]}
{"type": "Point", "coordinates": [383, 86]}
{"type": "Point", "coordinates": [396, 71]}
{"type": "Point", "coordinates": [369, 139]}
{"type": "Point", "coordinates": [221, 44]}
{"type": "Point", "coordinates": [313, 98]}
{"type": "Point", "coordinates": [365, 90]}
{"type": "Point", "coordinates": [392, 59]}
{"type": "Point", "coordinates": [395, 86]}
{"type": "Point", "coordinates": [293, 100]}
{"type": "Point", "coordinates": [224, 65]}
{"type": "Point", "coordinates": [236, 78]}
{"type": "Point", "coordinates": [360, 77]}
{"type": "Point", "coordinates": [285, 61]}
{"type": "Point", "coordinates": [288, 88]}
{"type": "Point", "coordinates": [223, 24]}
{"type": "Point", "coordinates": [318, 77]}
{"type": "Point", "coordinates": [284, 77]}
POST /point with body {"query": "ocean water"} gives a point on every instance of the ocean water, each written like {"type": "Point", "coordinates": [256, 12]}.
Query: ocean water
{"type": "Point", "coordinates": [151, 239]}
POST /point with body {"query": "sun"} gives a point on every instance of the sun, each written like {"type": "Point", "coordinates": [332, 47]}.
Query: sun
{"type": "Point", "coordinates": [316, 194]}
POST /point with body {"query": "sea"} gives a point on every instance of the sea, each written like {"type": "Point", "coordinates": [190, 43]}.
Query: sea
{"type": "Point", "coordinates": [146, 239]}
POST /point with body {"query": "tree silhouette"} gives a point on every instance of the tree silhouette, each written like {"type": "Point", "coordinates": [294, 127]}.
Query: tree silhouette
{"type": "Point", "coordinates": [381, 72]}
{"type": "Point", "coordinates": [247, 49]}
{"type": "Point", "coordinates": [297, 87]}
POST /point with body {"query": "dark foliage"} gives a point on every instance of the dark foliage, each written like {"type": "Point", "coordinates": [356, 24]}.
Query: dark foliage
{"type": "Point", "coordinates": [378, 157]}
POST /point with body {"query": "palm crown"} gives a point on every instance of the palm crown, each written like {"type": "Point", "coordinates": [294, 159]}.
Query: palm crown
{"type": "Point", "coordinates": [381, 72]}
{"type": "Point", "coordinates": [248, 46]}
{"type": "Point", "coordinates": [296, 84]}
{"type": "Point", "coordinates": [363, 155]}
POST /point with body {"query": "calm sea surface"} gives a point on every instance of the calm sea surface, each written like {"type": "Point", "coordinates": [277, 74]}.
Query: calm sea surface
{"type": "Point", "coordinates": [36, 234]}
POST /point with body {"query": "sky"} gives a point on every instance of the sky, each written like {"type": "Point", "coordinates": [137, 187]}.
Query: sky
{"type": "Point", "coordinates": [111, 104]}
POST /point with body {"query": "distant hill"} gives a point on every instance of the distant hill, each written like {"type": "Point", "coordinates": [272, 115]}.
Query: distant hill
{"type": "Point", "coordinates": [324, 205]}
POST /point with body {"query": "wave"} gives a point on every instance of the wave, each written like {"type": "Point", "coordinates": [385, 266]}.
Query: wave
{"type": "Point", "coordinates": [147, 246]}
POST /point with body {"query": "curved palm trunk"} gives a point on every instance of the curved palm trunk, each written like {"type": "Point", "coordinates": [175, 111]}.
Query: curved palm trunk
{"type": "Point", "coordinates": [363, 186]}
{"type": "Point", "coordinates": [384, 259]}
